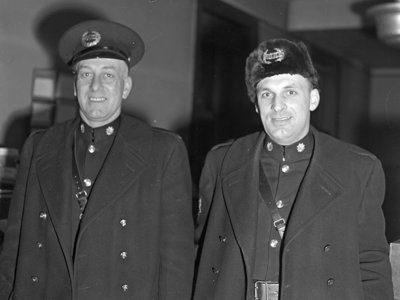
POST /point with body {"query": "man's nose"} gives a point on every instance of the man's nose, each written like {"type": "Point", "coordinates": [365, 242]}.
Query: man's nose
{"type": "Point", "coordinates": [95, 84]}
{"type": "Point", "coordinates": [278, 104]}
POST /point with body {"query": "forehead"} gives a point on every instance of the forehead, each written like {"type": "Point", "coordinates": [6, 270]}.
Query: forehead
{"type": "Point", "coordinates": [101, 63]}
{"type": "Point", "coordinates": [283, 81]}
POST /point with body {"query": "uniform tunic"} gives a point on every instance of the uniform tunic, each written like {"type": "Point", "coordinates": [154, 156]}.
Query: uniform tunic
{"type": "Point", "coordinates": [284, 168]}
{"type": "Point", "coordinates": [91, 147]}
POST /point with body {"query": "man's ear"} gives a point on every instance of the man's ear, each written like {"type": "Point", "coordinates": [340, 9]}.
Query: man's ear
{"type": "Point", "coordinates": [127, 87]}
{"type": "Point", "coordinates": [75, 88]}
{"type": "Point", "coordinates": [314, 99]}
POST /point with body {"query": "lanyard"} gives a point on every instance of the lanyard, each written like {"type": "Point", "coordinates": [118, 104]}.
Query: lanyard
{"type": "Point", "coordinates": [266, 195]}
{"type": "Point", "coordinates": [81, 193]}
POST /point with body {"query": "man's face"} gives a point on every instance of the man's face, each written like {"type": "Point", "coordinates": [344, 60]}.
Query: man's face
{"type": "Point", "coordinates": [100, 86]}
{"type": "Point", "coordinates": [284, 103]}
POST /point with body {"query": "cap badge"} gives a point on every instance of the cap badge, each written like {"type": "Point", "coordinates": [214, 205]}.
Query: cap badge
{"type": "Point", "coordinates": [90, 39]}
{"type": "Point", "coordinates": [276, 56]}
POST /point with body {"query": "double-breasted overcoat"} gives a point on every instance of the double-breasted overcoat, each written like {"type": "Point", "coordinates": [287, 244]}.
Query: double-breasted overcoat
{"type": "Point", "coordinates": [334, 246]}
{"type": "Point", "coordinates": [136, 236]}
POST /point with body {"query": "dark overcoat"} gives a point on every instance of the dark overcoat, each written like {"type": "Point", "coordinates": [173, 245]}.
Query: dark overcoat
{"type": "Point", "coordinates": [136, 236]}
{"type": "Point", "coordinates": [334, 246]}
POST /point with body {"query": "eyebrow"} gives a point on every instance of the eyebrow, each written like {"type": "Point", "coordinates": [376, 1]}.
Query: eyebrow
{"type": "Point", "coordinates": [106, 67]}
{"type": "Point", "coordinates": [286, 86]}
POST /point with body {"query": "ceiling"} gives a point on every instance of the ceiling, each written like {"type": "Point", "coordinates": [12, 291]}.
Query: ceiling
{"type": "Point", "coordinates": [342, 27]}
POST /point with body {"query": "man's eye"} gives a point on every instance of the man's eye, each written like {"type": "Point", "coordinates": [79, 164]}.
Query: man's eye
{"type": "Point", "coordinates": [291, 93]}
{"type": "Point", "coordinates": [85, 75]}
{"type": "Point", "coordinates": [266, 95]}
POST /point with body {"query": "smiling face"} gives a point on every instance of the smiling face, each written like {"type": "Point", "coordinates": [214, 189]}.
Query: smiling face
{"type": "Point", "coordinates": [284, 102]}
{"type": "Point", "coordinates": [100, 86]}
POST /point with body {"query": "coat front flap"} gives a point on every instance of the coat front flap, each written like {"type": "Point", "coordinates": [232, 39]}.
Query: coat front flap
{"type": "Point", "coordinates": [54, 172]}
{"type": "Point", "coordinates": [240, 189]}
{"type": "Point", "coordinates": [319, 189]}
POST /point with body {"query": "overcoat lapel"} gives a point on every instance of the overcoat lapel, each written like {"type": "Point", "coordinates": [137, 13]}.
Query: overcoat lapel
{"type": "Point", "coordinates": [318, 190]}
{"type": "Point", "coordinates": [128, 157]}
{"type": "Point", "coordinates": [240, 189]}
{"type": "Point", "coordinates": [54, 171]}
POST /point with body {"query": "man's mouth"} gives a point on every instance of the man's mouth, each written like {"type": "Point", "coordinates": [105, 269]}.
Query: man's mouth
{"type": "Point", "coordinates": [97, 99]}
{"type": "Point", "coordinates": [281, 119]}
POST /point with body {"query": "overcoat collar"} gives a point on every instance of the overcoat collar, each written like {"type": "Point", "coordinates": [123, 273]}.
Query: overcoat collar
{"type": "Point", "coordinates": [240, 187]}
{"type": "Point", "coordinates": [129, 156]}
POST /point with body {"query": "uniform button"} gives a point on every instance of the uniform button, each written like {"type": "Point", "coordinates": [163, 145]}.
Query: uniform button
{"type": "Point", "coordinates": [279, 204]}
{"type": "Point", "coordinates": [124, 254]}
{"type": "Point", "coordinates": [91, 149]}
{"type": "Point", "coordinates": [87, 182]}
{"type": "Point", "coordinates": [285, 168]}
{"type": "Point", "coordinates": [274, 243]}
{"type": "Point", "coordinates": [122, 222]}
{"type": "Point", "coordinates": [222, 239]}
{"type": "Point", "coordinates": [43, 215]}
{"type": "Point", "coordinates": [215, 270]}
{"type": "Point", "coordinates": [330, 282]}
{"type": "Point", "coordinates": [327, 248]}
{"type": "Point", "coordinates": [124, 287]}
{"type": "Point", "coordinates": [40, 245]}
{"type": "Point", "coordinates": [35, 279]}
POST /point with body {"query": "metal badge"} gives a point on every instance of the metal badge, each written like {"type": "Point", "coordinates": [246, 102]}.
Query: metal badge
{"type": "Point", "coordinates": [276, 56]}
{"type": "Point", "coordinates": [90, 39]}
{"type": "Point", "coordinates": [301, 147]}
{"type": "Point", "coordinates": [110, 130]}
{"type": "Point", "coordinates": [270, 146]}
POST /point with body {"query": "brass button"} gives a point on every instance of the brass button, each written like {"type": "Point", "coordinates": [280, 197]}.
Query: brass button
{"type": "Point", "coordinates": [222, 239]}
{"type": "Point", "coordinates": [274, 243]}
{"type": "Point", "coordinates": [122, 222]}
{"type": "Point", "coordinates": [327, 248]}
{"type": "Point", "coordinates": [43, 215]}
{"type": "Point", "coordinates": [285, 168]}
{"type": "Point", "coordinates": [35, 279]}
{"type": "Point", "coordinates": [215, 270]}
{"type": "Point", "coordinates": [40, 245]}
{"type": "Point", "coordinates": [87, 182]}
{"type": "Point", "coordinates": [124, 287]}
{"type": "Point", "coordinates": [91, 149]}
{"type": "Point", "coordinates": [124, 254]}
{"type": "Point", "coordinates": [330, 282]}
{"type": "Point", "coordinates": [279, 204]}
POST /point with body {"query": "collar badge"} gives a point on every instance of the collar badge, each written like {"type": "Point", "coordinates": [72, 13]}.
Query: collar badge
{"type": "Point", "coordinates": [270, 147]}
{"type": "Point", "coordinates": [301, 147]}
{"type": "Point", "coordinates": [82, 128]}
{"type": "Point", "coordinates": [90, 39]}
{"type": "Point", "coordinates": [276, 56]}
{"type": "Point", "coordinates": [110, 130]}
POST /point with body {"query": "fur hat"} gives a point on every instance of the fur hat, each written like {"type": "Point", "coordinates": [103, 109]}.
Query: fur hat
{"type": "Point", "coordinates": [278, 56]}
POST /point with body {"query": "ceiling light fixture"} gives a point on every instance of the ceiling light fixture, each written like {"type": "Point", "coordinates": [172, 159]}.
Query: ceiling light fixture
{"type": "Point", "coordinates": [387, 19]}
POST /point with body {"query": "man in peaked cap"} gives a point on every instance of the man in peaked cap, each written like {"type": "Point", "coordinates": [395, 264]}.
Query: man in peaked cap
{"type": "Point", "coordinates": [102, 205]}
{"type": "Point", "coordinates": [290, 213]}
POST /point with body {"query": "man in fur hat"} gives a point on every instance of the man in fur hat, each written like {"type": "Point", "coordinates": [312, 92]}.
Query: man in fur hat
{"type": "Point", "coordinates": [290, 213]}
